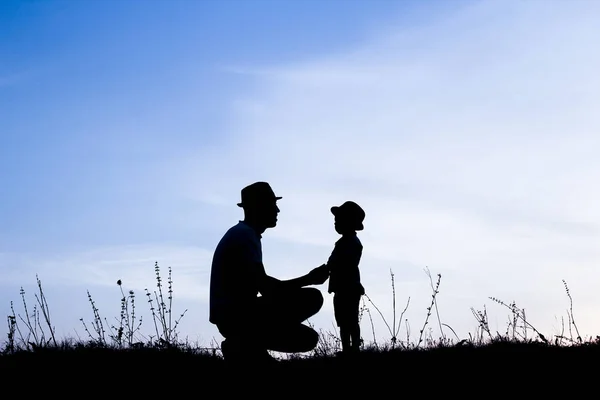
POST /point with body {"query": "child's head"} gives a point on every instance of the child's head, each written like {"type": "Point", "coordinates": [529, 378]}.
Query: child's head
{"type": "Point", "coordinates": [348, 217]}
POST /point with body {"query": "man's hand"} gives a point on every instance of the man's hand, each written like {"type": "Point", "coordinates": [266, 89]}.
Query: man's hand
{"type": "Point", "coordinates": [318, 275]}
{"type": "Point", "coordinates": [315, 277]}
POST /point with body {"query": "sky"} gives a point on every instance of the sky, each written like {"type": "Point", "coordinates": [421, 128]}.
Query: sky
{"type": "Point", "coordinates": [467, 130]}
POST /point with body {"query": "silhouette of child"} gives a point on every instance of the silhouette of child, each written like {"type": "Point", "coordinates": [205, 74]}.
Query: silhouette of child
{"type": "Point", "coordinates": [344, 278]}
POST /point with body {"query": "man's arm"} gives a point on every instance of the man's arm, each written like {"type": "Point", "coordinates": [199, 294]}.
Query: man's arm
{"type": "Point", "coordinates": [271, 284]}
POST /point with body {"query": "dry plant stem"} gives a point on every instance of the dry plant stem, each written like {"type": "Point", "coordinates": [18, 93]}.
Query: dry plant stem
{"type": "Point", "coordinates": [435, 300]}
{"type": "Point", "coordinates": [169, 335]}
{"type": "Point", "coordinates": [401, 316]}
{"type": "Point", "coordinates": [516, 314]}
{"type": "Point", "coordinates": [395, 328]}
{"type": "Point", "coordinates": [483, 324]}
{"type": "Point", "coordinates": [372, 326]}
{"type": "Point", "coordinates": [127, 319]}
{"type": "Point", "coordinates": [393, 307]}
{"type": "Point", "coordinates": [45, 309]}
{"type": "Point", "coordinates": [381, 314]}
{"type": "Point", "coordinates": [18, 328]}
{"type": "Point", "coordinates": [435, 292]}
{"type": "Point", "coordinates": [12, 329]}
{"type": "Point", "coordinates": [570, 314]}
{"type": "Point", "coordinates": [96, 323]}
{"type": "Point", "coordinates": [32, 330]}
{"type": "Point", "coordinates": [453, 331]}
{"type": "Point", "coordinates": [33, 322]}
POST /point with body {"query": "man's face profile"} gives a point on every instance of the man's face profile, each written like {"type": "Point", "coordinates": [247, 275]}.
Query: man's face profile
{"type": "Point", "coordinates": [269, 211]}
{"type": "Point", "coordinates": [265, 212]}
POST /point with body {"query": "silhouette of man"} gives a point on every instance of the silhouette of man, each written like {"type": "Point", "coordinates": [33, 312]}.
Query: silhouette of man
{"type": "Point", "coordinates": [253, 324]}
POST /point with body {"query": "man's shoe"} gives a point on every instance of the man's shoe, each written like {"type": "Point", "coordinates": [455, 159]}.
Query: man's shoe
{"type": "Point", "coordinates": [263, 357]}
{"type": "Point", "coordinates": [230, 350]}
{"type": "Point", "coordinates": [236, 353]}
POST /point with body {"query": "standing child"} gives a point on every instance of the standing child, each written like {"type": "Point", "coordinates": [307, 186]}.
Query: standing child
{"type": "Point", "coordinates": [344, 278]}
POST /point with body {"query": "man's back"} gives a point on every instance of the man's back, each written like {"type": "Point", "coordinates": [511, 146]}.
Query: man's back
{"type": "Point", "coordinates": [236, 267]}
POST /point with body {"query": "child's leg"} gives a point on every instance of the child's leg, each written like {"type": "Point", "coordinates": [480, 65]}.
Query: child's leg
{"type": "Point", "coordinates": [345, 335]}
{"type": "Point", "coordinates": [355, 336]}
{"type": "Point", "coordinates": [354, 327]}
{"type": "Point", "coordinates": [340, 311]}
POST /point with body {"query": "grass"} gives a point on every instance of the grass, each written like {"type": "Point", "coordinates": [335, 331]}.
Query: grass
{"type": "Point", "coordinates": [119, 346]}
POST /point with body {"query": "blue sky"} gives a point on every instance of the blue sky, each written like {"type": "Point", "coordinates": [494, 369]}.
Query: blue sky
{"type": "Point", "coordinates": [79, 80]}
{"type": "Point", "coordinates": [466, 129]}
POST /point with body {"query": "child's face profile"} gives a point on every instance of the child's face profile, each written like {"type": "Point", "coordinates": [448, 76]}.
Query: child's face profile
{"type": "Point", "coordinates": [341, 225]}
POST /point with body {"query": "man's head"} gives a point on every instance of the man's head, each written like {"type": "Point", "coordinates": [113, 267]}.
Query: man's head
{"type": "Point", "coordinates": [260, 205]}
{"type": "Point", "coordinates": [348, 217]}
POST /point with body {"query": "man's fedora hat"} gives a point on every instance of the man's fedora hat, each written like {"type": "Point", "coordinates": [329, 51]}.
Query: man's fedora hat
{"type": "Point", "coordinates": [257, 193]}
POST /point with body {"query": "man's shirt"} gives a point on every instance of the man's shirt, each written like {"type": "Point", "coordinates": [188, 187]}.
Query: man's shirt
{"type": "Point", "coordinates": [235, 273]}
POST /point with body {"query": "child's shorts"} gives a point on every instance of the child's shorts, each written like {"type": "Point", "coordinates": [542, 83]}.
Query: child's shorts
{"type": "Point", "coordinates": [346, 307]}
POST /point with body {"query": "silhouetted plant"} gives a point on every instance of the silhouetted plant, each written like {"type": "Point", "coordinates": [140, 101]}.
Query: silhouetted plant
{"type": "Point", "coordinates": [36, 322]}
{"type": "Point", "coordinates": [570, 314]}
{"type": "Point", "coordinates": [364, 309]}
{"type": "Point", "coordinates": [162, 314]}
{"type": "Point", "coordinates": [483, 326]}
{"type": "Point", "coordinates": [10, 346]}
{"type": "Point", "coordinates": [396, 327]}
{"type": "Point", "coordinates": [127, 328]}
{"type": "Point", "coordinates": [517, 314]}
{"type": "Point", "coordinates": [434, 294]}
{"type": "Point", "coordinates": [100, 334]}
{"type": "Point", "coordinates": [328, 345]}
{"type": "Point", "coordinates": [127, 322]}
{"type": "Point", "coordinates": [39, 332]}
{"type": "Point", "coordinates": [435, 289]}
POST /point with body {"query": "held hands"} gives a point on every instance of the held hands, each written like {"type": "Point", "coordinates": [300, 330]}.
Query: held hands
{"type": "Point", "coordinates": [319, 275]}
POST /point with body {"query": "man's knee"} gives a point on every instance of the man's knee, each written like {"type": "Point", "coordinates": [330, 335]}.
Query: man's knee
{"type": "Point", "coordinates": [313, 298]}
{"type": "Point", "coordinates": [308, 340]}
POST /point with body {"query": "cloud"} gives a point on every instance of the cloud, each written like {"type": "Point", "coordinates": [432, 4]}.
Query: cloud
{"type": "Point", "coordinates": [133, 265]}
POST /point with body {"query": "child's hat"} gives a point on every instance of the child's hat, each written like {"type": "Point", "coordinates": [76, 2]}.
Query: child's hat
{"type": "Point", "coordinates": [352, 211]}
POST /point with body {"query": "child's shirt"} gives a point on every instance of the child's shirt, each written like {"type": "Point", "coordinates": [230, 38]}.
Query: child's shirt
{"type": "Point", "coordinates": [343, 265]}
